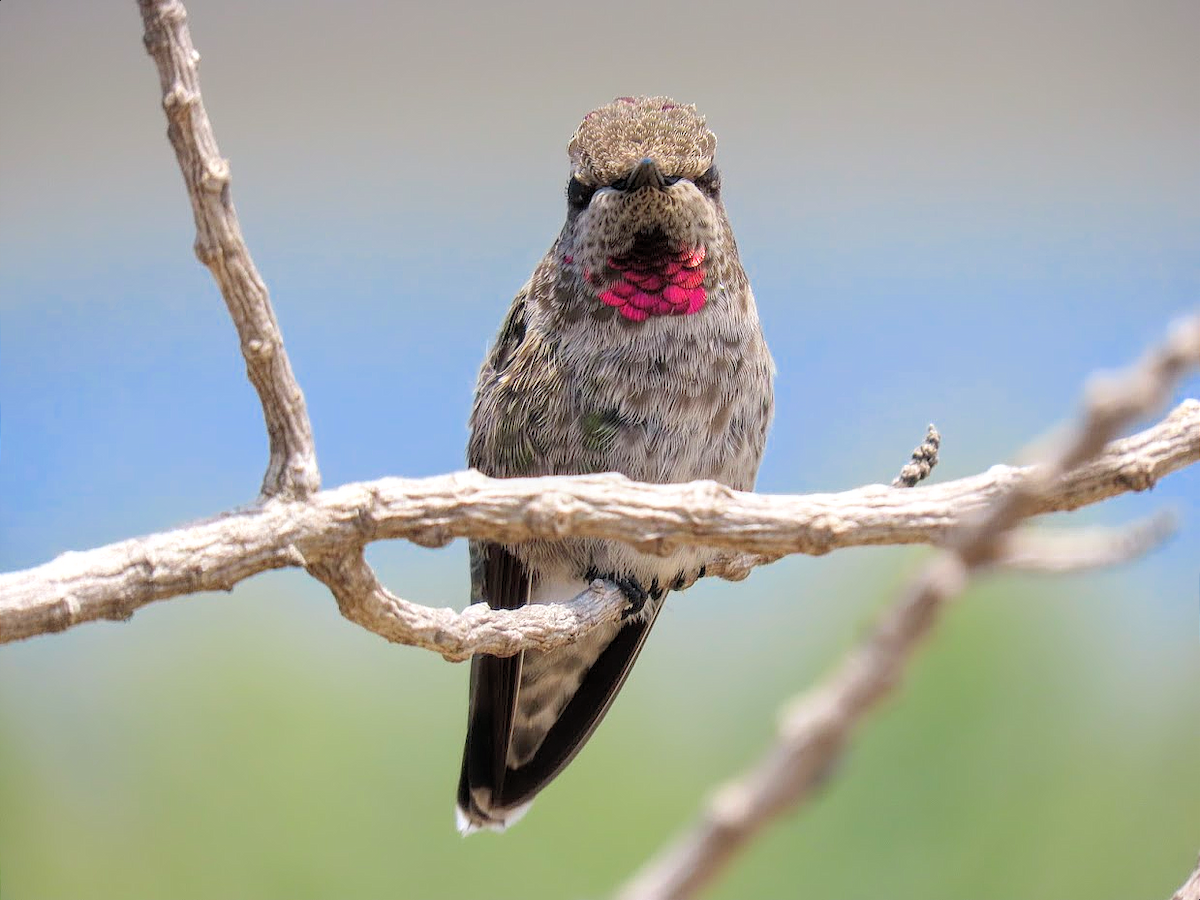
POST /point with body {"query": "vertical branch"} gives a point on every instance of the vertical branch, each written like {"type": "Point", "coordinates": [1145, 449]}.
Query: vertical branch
{"type": "Point", "coordinates": [292, 470]}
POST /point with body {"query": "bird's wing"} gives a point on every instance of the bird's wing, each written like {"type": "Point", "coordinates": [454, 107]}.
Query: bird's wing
{"type": "Point", "coordinates": [501, 580]}
{"type": "Point", "coordinates": [552, 729]}
{"type": "Point", "coordinates": [530, 714]}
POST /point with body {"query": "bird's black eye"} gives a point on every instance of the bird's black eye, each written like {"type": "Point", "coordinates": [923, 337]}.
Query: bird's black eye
{"type": "Point", "coordinates": [709, 182]}
{"type": "Point", "coordinates": [579, 195]}
{"type": "Point", "coordinates": [622, 183]}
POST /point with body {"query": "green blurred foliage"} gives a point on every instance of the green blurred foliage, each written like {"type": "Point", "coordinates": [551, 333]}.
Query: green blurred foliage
{"type": "Point", "coordinates": [256, 745]}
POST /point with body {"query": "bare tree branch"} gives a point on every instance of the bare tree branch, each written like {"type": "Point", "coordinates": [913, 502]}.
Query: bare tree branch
{"type": "Point", "coordinates": [1065, 550]}
{"type": "Point", "coordinates": [292, 469]}
{"type": "Point", "coordinates": [478, 629]}
{"type": "Point", "coordinates": [815, 728]}
{"type": "Point", "coordinates": [112, 582]}
{"type": "Point", "coordinates": [1190, 889]}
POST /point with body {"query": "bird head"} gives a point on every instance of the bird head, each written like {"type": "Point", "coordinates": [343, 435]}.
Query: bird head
{"type": "Point", "coordinates": [646, 232]}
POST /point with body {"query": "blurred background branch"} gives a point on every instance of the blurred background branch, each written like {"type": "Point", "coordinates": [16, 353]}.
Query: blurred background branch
{"type": "Point", "coordinates": [814, 729]}
{"type": "Point", "coordinates": [1190, 889]}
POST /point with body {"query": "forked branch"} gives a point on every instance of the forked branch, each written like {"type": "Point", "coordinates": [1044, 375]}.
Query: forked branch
{"type": "Point", "coordinates": [326, 534]}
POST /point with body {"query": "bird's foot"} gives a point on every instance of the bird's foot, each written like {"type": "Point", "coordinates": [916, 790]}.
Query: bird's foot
{"type": "Point", "coordinates": [631, 587]}
{"type": "Point", "coordinates": [685, 580]}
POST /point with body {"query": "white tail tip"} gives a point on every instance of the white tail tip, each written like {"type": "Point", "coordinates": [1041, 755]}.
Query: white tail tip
{"type": "Point", "coordinates": [466, 824]}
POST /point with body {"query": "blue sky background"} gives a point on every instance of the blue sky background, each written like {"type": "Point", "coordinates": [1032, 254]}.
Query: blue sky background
{"type": "Point", "coordinates": [950, 212]}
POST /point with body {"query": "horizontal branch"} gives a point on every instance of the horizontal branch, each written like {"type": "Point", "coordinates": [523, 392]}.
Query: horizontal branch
{"type": "Point", "coordinates": [112, 582]}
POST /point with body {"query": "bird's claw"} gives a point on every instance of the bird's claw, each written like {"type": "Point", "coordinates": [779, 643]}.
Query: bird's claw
{"type": "Point", "coordinates": [631, 588]}
{"type": "Point", "coordinates": [683, 581]}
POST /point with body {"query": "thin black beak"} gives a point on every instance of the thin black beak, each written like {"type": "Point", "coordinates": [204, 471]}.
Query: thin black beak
{"type": "Point", "coordinates": [644, 174]}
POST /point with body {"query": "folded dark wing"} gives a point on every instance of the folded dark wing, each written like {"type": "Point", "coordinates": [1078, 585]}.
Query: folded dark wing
{"type": "Point", "coordinates": [504, 584]}
{"type": "Point", "coordinates": [530, 714]}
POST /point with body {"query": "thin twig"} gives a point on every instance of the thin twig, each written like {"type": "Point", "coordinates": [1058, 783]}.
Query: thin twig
{"type": "Point", "coordinates": [815, 729]}
{"type": "Point", "coordinates": [112, 582]}
{"type": "Point", "coordinates": [292, 470]}
{"type": "Point", "coordinates": [1059, 551]}
{"type": "Point", "coordinates": [924, 458]}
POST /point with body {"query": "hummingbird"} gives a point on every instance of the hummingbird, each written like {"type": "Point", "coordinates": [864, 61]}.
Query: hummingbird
{"type": "Point", "coordinates": [635, 347]}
